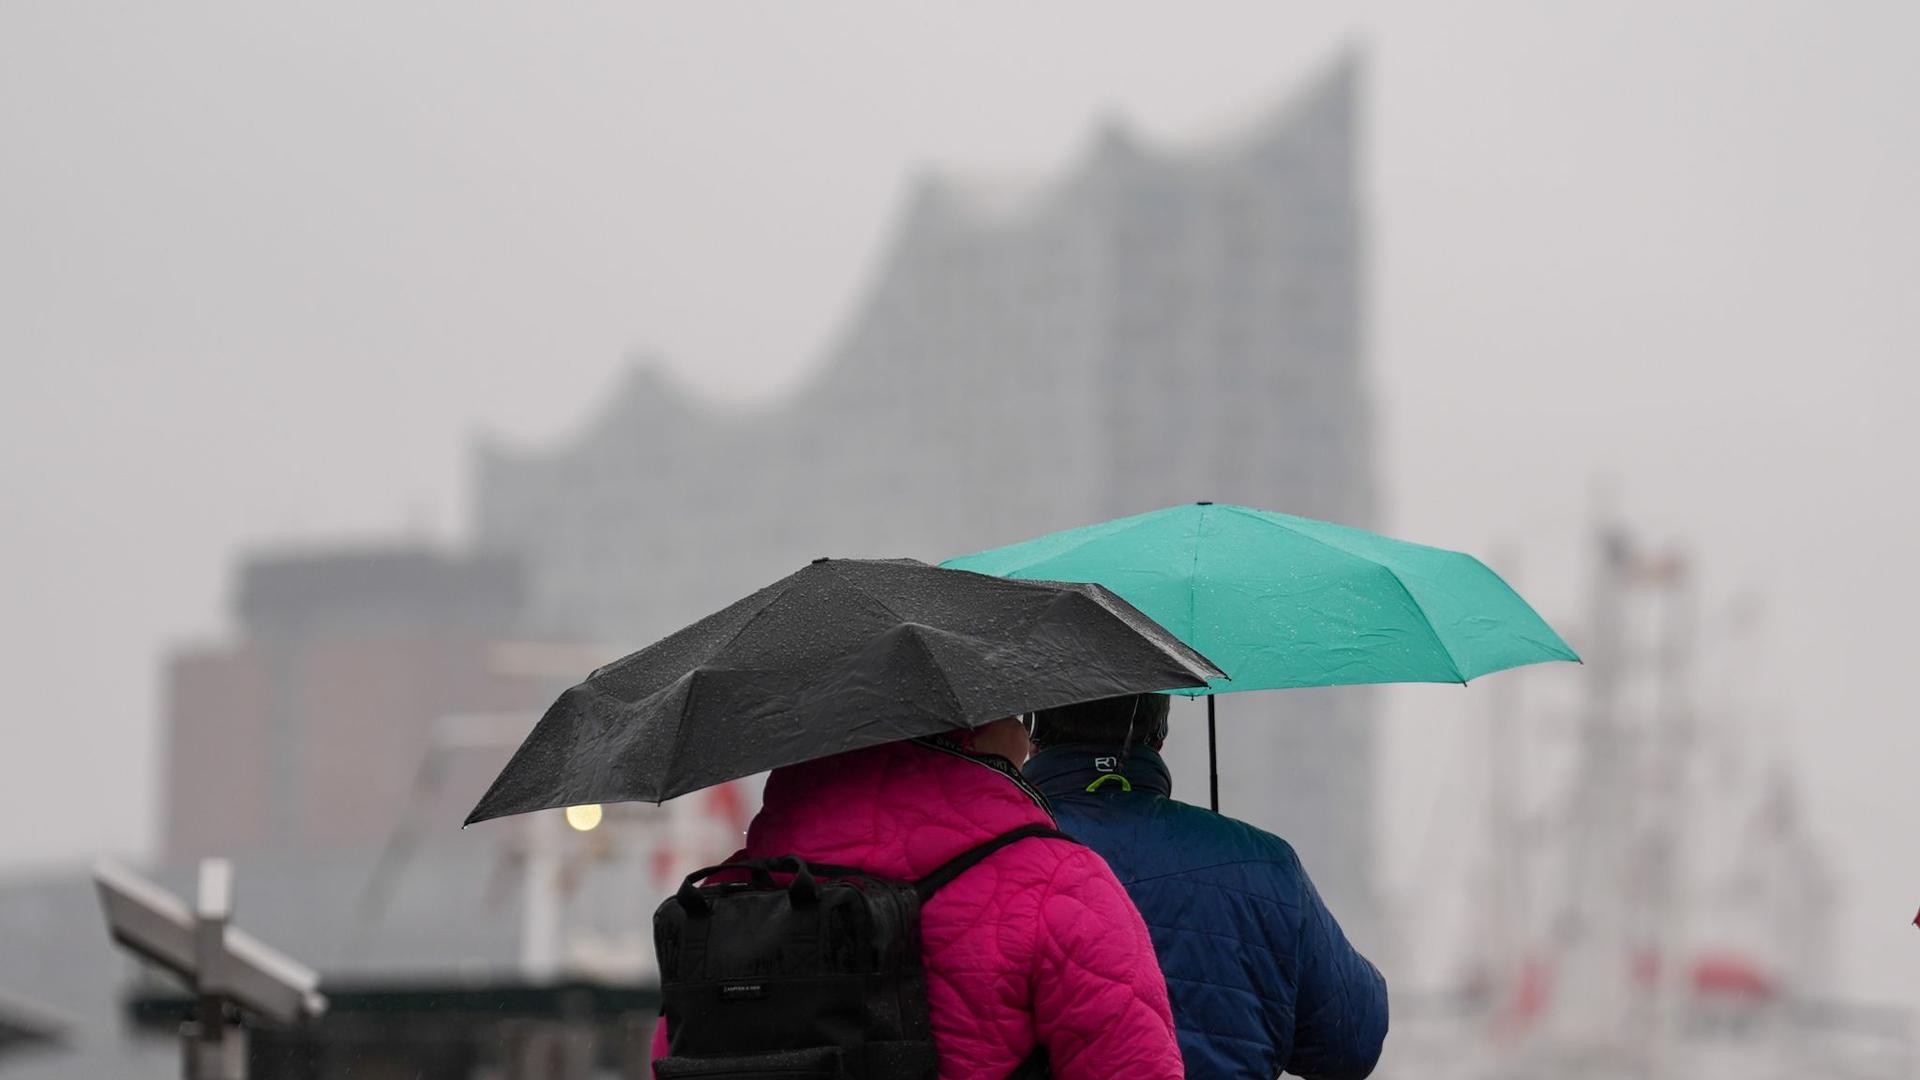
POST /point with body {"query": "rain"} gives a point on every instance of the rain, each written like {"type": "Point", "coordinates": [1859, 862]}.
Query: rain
{"type": "Point", "coordinates": [381, 374]}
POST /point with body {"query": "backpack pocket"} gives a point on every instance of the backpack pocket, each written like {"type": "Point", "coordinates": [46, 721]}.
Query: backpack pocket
{"type": "Point", "coordinates": [814, 1063]}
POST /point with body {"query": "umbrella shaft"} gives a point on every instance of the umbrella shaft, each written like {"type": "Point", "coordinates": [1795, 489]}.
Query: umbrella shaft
{"type": "Point", "coordinates": [1213, 758]}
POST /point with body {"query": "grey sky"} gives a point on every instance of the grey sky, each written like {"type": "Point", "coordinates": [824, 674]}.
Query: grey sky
{"type": "Point", "coordinates": [265, 274]}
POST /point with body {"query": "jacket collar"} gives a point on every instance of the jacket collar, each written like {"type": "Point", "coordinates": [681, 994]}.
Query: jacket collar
{"type": "Point", "coordinates": [948, 745]}
{"type": "Point", "coordinates": [1069, 769]}
{"type": "Point", "coordinates": [898, 809]}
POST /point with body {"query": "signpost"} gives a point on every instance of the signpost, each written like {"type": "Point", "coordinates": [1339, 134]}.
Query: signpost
{"type": "Point", "coordinates": [227, 969]}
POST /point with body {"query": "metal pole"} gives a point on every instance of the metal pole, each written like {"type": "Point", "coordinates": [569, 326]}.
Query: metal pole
{"type": "Point", "coordinates": [215, 1049]}
{"type": "Point", "coordinates": [1213, 757]}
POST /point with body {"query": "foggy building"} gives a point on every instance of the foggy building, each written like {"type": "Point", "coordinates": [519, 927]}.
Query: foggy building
{"type": "Point", "coordinates": [308, 730]}
{"type": "Point", "coordinates": [307, 748]}
{"type": "Point", "coordinates": [1152, 328]}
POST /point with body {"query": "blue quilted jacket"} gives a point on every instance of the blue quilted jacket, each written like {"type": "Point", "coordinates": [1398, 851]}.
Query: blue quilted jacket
{"type": "Point", "coordinates": [1261, 978]}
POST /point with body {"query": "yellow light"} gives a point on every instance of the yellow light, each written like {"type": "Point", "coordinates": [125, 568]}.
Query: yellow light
{"type": "Point", "coordinates": [584, 817]}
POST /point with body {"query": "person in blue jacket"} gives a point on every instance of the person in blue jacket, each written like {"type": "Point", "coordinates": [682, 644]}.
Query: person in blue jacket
{"type": "Point", "coordinates": [1262, 980]}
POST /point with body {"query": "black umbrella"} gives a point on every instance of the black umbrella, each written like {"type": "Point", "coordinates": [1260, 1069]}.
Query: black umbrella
{"type": "Point", "coordinates": [845, 653]}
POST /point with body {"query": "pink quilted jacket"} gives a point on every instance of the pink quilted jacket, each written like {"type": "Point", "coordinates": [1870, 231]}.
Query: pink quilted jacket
{"type": "Point", "coordinates": [1037, 945]}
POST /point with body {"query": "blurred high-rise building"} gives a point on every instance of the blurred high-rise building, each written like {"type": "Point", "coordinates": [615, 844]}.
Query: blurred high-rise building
{"type": "Point", "coordinates": [1155, 327]}
{"type": "Point", "coordinates": [307, 729]}
{"type": "Point", "coordinates": [330, 744]}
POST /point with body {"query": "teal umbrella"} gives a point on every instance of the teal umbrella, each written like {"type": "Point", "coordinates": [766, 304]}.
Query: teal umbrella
{"type": "Point", "coordinates": [1278, 601]}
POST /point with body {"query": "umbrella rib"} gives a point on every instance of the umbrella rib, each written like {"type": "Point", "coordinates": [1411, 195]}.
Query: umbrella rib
{"type": "Point", "coordinates": [864, 591]}
{"type": "Point", "coordinates": [691, 682]}
{"type": "Point", "coordinates": [751, 619]}
{"type": "Point", "coordinates": [915, 634]}
{"type": "Point", "coordinates": [1425, 619]}
{"type": "Point", "coordinates": [1198, 671]}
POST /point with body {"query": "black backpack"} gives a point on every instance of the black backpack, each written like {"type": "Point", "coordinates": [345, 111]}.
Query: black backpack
{"type": "Point", "coordinates": [820, 978]}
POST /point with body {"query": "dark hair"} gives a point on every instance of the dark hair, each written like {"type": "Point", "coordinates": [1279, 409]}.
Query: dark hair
{"type": "Point", "coordinates": [1108, 720]}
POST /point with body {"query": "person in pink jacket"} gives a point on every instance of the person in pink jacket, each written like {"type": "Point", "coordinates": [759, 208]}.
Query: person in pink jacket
{"type": "Point", "coordinates": [1038, 946]}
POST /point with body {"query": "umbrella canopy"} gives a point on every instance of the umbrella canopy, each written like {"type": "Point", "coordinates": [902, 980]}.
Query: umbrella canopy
{"type": "Point", "coordinates": [841, 655]}
{"type": "Point", "coordinates": [1280, 601]}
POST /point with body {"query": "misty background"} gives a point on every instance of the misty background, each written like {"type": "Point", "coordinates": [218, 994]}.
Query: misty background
{"type": "Point", "coordinates": [268, 275]}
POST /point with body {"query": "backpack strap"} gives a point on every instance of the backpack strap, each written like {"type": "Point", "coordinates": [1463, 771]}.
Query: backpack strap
{"type": "Point", "coordinates": [966, 860]}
